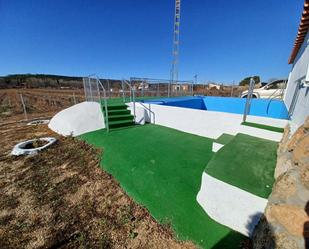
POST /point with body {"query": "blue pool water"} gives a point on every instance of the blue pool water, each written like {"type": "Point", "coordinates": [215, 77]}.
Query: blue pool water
{"type": "Point", "coordinates": [259, 107]}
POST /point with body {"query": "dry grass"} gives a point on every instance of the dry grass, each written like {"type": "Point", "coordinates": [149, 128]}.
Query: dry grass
{"type": "Point", "coordinates": [60, 198]}
{"type": "Point", "coordinates": [38, 102]}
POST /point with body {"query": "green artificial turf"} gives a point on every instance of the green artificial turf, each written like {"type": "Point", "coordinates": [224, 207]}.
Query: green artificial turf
{"type": "Point", "coordinates": [246, 162]}
{"type": "Point", "coordinates": [264, 127]}
{"type": "Point", "coordinates": [161, 168]}
{"type": "Point", "coordinates": [224, 138]}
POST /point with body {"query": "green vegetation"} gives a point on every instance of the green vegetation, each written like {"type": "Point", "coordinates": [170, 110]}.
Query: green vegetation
{"type": "Point", "coordinates": [264, 127]}
{"type": "Point", "coordinates": [246, 162]}
{"type": "Point", "coordinates": [39, 80]}
{"type": "Point", "coordinates": [161, 168]}
{"type": "Point", "coordinates": [49, 80]}
{"type": "Point", "coordinates": [246, 80]}
{"type": "Point", "coordinates": [51, 76]}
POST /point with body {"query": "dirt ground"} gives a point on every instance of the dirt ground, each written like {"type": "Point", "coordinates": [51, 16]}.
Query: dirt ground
{"type": "Point", "coordinates": [60, 198]}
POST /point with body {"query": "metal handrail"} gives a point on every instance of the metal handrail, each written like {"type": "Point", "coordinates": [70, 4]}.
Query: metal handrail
{"type": "Point", "coordinates": [104, 96]}
{"type": "Point", "coordinates": [132, 95]}
{"type": "Point", "coordinates": [272, 98]}
{"type": "Point", "coordinates": [148, 108]}
{"type": "Point", "coordinates": [248, 99]}
{"type": "Point", "coordinates": [123, 91]}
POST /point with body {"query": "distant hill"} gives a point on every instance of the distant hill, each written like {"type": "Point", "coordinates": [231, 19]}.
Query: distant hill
{"type": "Point", "coordinates": [46, 81]}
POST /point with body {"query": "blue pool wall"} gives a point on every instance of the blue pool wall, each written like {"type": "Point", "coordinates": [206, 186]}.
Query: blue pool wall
{"type": "Point", "coordinates": [259, 107]}
{"type": "Point", "coordinates": [189, 102]}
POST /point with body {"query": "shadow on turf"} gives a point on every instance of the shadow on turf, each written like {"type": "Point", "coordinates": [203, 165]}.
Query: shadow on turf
{"type": "Point", "coordinates": [262, 236]}
{"type": "Point", "coordinates": [262, 233]}
{"type": "Point", "coordinates": [230, 239]}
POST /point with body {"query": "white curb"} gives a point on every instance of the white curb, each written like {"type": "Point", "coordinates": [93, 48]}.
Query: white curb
{"type": "Point", "coordinates": [38, 122]}
{"type": "Point", "coordinates": [19, 149]}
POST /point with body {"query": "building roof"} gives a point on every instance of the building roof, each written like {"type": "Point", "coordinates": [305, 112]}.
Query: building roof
{"type": "Point", "coordinates": [302, 32]}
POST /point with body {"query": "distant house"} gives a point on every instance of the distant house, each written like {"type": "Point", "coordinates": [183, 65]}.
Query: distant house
{"type": "Point", "coordinates": [297, 93]}
{"type": "Point", "coordinates": [213, 85]}
{"type": "Point", "coordinates": [180, 87]}
{"type": "Point", "coordinates": [143, 86]}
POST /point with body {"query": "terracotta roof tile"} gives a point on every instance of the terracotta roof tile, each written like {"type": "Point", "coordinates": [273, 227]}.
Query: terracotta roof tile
{"type": "Point", "coordinates": [302, 32]}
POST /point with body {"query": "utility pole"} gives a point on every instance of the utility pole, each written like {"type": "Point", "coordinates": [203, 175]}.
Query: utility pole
{"type": "Point", "coordinates": [174, 69]}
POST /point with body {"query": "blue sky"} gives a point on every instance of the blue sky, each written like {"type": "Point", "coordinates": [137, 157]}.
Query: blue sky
{"type": "Point", "coordinates": [220, 40]}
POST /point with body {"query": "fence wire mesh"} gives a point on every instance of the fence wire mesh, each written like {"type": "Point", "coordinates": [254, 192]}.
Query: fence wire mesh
{"type": "Point", "coordinates": [146, 87]}
{"type": "Point", "coordinates": [91, 89]}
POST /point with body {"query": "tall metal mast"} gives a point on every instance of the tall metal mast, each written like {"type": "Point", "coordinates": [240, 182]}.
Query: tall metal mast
{"type": "Point", "coordinates": [174, 69]}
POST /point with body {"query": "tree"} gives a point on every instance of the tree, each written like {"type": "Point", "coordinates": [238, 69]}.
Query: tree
{"type": "Point", "coordinates": [246, 81]}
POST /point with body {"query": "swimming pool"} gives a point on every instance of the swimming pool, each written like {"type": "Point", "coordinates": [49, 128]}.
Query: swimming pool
{"type": "Point", "coordinates": [259, 107]}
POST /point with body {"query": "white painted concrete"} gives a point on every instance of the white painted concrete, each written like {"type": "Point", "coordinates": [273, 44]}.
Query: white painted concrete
{"type": "Point", "coordinates": [39, 122]}
{"type": "Point", "coordinates": [299, 73]}
{"type": "Point", "coordinates": [208, 123]}
{"type": "Point", "coordinates": [216, 146]}
{"type": "Point", "coordinates": [78, 119]}
{"type": "Point", "coordinates": [229, 205]}
{"type": "Point", "coordinates": [140, 114]}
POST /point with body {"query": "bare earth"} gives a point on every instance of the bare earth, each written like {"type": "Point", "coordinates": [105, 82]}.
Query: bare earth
{"type": "Point", "coordinates": [60, 198]}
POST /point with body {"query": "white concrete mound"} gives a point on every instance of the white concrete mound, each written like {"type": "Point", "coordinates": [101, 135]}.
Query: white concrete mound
{"type": "Point", "coordinates": [78, 119]}
{"type": "Point", "coordinates": [229, 205]}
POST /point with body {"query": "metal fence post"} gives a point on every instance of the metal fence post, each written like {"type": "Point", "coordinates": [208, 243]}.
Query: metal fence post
{"type": "Point", "coordinates": [85, 88]}
{"type": "Point", "coordinates": [90, 88]}
{"type": "Point", "coordinates": [158, 89]}
{"type": "Point", "coordinates": [168, 89]}
{"type": "Point", "coordinates": [143, 89]}
{"type": "Point", "coordinates": [24, 106]}
{"type": "Point", "coordinates": [133, 93]}
{"type": "Point", "coordinates": [98, 90]}
{"type": "Point", "coordinates": [74, 98]}
{"type": "Point", "coordinates": [108, 89]}
{"type": "Point", "coordinates": [123, 96]}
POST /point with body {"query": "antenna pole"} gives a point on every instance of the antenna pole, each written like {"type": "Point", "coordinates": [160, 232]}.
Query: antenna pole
{"type": "Point", "coordinates": [174, 69]}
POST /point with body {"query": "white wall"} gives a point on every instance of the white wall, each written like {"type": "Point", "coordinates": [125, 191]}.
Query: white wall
{"type": "Point", "coordinates": [208, 123]}
{"type": "Point", "coordinates": [299, 73]}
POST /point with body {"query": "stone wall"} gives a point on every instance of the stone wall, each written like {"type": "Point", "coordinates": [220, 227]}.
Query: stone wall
{"type": "Point", "coordinates": [285, 224]}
